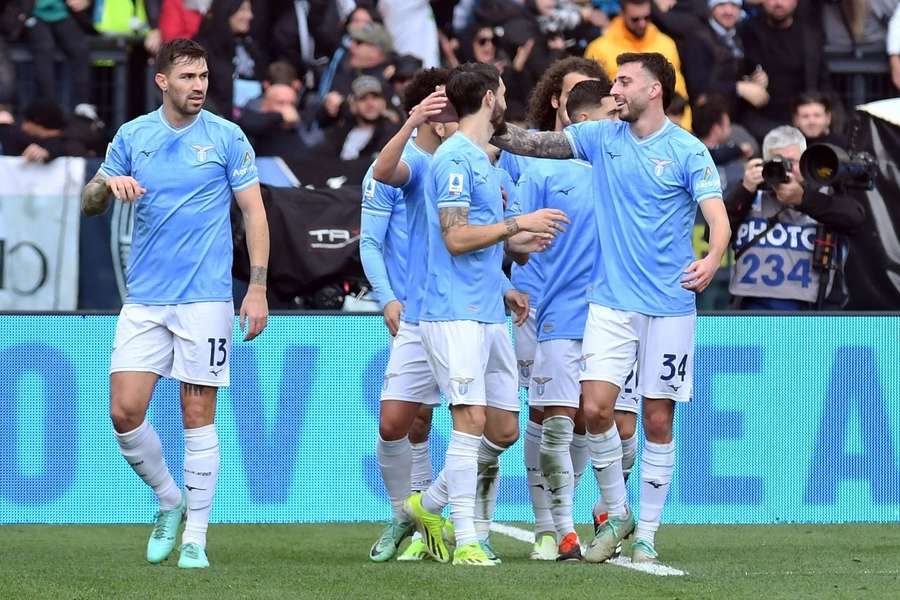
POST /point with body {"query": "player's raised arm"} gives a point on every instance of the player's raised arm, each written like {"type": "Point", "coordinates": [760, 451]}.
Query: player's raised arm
{"type": "Point", "coordinates": [255, 308]}
{"type": "Point", "coordinates": [539, 144]}
{"type": "Point", "coordinates": [388, 167]}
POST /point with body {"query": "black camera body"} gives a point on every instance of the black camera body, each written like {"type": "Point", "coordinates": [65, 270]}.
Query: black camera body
{"type": "Point", "coordinates": [776, 171]}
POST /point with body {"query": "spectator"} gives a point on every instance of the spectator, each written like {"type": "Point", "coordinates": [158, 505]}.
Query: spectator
{"type": "Point", "coordinates": [7, 74]}
{"type": "Point", "coordinates": [713, 126]}
{"type": "Point", "coordinates": [632, 31]}
{"type": "Point", "coordinates": [232, 54]}
{"type": "Point", "coordinates": [857, 26]}
{"type": "Point", "coordinates": [775, 231]}
{"type": "Point", "coordinates": [41, 136]}
{"type": "Point", "coordinates": [181, 18]}
{"type": "Point", "coordinates": [369, 129]}
{"type": "Point", "coordinates": [317, 31]}
{"type": "Point", "coordinates": [130, 18]}
{"type": "Point", "coordinates": [413, 29]}
{"type": "Point", "coordinates": [276, 128]}
{"type": "Point", "coordinates": [51, 28]}
{"type": "Point", "coordinates": [676, 109]}
{"type": "Point", "coordinates": [402, 72]}
{"type": "Point", "coordinates": [789, 51]}
{"type": "Point", "coordinates": [812, 115]}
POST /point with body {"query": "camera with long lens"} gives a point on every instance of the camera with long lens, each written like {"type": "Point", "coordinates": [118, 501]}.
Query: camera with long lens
{"type": "Point", "coordinates": [827, 164]}
{"type": "Point", "coordinates": [776, 171]}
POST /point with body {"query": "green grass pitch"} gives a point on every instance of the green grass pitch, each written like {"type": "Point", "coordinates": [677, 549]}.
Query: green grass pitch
{"type": "Point", "coordinates": [330, 561]}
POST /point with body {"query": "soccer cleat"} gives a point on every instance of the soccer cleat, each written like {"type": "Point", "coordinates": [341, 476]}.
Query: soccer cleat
{"type": "Point", "coordinates": [489, 551]}
{"type": "Point", "coordinates": [643, 552]}
{"type": "Point", "coordinates": [165, 532]}
{"type": "Point", "coordinates": [193, 556]}
{"type": "Point", "coordinates": [430, 526]}
{"type": "Point", "coordinates": [599, 520]}
{"type": "Point", "coordinates": [473, 555]}
{"type": "Point", "coordinates": [415, 551]}
{"type": "Point", "coordinates": [449, 533]}
{"type": "Point", "coordinates": [569, 548]}
{"type": "Point", "coordinates": [544, 548]}
{"type": "Point", "coordinates": [611, 534]}
{"type": "Point", "coordinates": [391, 537]}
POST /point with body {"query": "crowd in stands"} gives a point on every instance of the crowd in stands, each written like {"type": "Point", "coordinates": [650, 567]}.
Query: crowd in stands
{"type": "Point", "coordinates": [313, 76]}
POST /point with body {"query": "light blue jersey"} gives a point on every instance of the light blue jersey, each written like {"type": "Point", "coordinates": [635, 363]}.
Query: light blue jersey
{"type": "Point", "coordinates": [526, 278]}
{"type": "Point", "coordinates": [382, 240]}
{"type": "Point", "coordinates": [646, 193]}
{"type": "Point", "coordinates": [567, 264]}
{"type": "Point", "coordinates": [465, 287]}
{"type": "Point", "coordinates": [181, 249]}
{"type": "Point", "coordinates": [415, 197]}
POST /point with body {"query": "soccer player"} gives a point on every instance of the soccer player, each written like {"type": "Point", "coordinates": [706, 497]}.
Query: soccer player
{"type": "Point", "coordinates": [392, 247]}
{"type": "Point", "coordinates": [649, 176]}
{"type": "Point", "coordinates": [462, 319]}
{"type": "Point", "coordinates": [181, 166]}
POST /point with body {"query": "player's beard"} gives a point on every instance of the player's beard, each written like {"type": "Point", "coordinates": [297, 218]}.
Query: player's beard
{"type": "Point", "coordinates": [187, 107]}
{"type": "Point", "coordinates": [498, 120]}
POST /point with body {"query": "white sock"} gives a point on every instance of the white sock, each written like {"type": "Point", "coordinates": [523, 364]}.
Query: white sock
{"type": "Point", "coordinates": [461, 472]}
{"type": "Point", "coordinates": [143, 451]}
{"type": "Point", "coordinates": [580, 456]}
{"type": "Point", "coordinates": [556, 462]}
{"type": "Point", "coordinates": [201, 469]}
{"type": "Point", "coordinates": [657, 464]}
{"type": "Point", "coordinates": [486, 486]}
{"type": "Point", "coordinates": [540, 497]}
{"type": "Point", "coordinates": [629, 452]}
{"type": "Point", "coordinates": [395, 461]}
{"type": "Point", "coordinates": [436, 497]}
{"type": "Point", "coordinates": [606, 458]}
{"type": "Point", "coordinates": [421, 467]}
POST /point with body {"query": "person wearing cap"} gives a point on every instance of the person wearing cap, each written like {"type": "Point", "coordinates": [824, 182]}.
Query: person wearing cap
{"type": "Point", "coordinates": [369, 126]}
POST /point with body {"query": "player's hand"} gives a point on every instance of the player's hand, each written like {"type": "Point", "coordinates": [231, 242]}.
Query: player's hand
{"type": "Point", "coordinates": [518, 303]}
{"type": "Point", "coordinates": [545, 220]}
{"type": "Point", "coordinates": [526, 242]}
{"type": "Point", "coordinates": [254, 311]}
{"type": "Point", "coordinates": [392, 312]}
{"type": "Point", "coordinates": [753, 174]}
{"type": "Point", "coordinates": [36, 153]}
{"type": "Point", "coordinates": [700, 272]}
{"type": "Point", "coordinates": [125, 188]}
{"type": "Point", "coordinates": [431, 106]}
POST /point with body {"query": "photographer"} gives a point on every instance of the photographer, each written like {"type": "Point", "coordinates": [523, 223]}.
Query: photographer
{"type": "Point", "coordinates": [776, 218]}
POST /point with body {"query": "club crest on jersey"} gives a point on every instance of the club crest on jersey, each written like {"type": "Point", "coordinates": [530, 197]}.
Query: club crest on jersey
{"type": "Point", "coordinates": [463, 384]}
{"type": "Point", "coordinates": [583, 360]}
{"type": "Point", "coordinates": [660, 164]}
{"type": "Point", "coordinates": [525, 368]}
{"type": "Point", "coordinates": [387, 380]}
{"type": "Point", "coordinates": [455, 186]}
{"type": "Point", "coordinates": [201, 151]}
{"type": "Point", "coordinates": [541, 381]}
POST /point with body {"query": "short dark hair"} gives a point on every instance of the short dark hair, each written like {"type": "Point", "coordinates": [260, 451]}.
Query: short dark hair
{"type": "Point", "coordinates": [541, 113]}
{"type": "Point", "coordinates": [422, 85]}
{"type": "Point", "coordinates": [635, 2]}
{"type": "Point", "coordinates": [281, 71]}
{"type": "Point", "coordinates": [586, 94]}
{"type": "Point", "coordinates": [176, 50]}
{"type": "Point", "coordinates": [658, 66]}
{"type": "Point", "coordinates": [467, 85]}
{"type": "Point", "coordinates": [708, 114]}
{"type": "Point", "coordinates": [810, 98]}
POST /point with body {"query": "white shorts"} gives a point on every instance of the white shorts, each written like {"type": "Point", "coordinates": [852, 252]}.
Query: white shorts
{"type": "Point", "coordinates": [408, 376]}
{"type": "Point", "coordinates": [662, 346]}
{"type": "Point", "coordinates": [526, 343]}
{"type": "Point", "coordinates": [555, 381]}
{"type": "Point", "coordinates": [187, 342]}
{"type": "Point", "coordinates": [473, 362]}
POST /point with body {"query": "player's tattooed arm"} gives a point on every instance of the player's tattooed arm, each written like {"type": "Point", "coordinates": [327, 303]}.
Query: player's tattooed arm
{"type": "Point", "coordinates": [258, 275]}
{"type": "Point", "coordinates": [461, 237]}
{"type": "Point", "coordinates": [96, 195]}
{"type": "Point", "coordinates": [540, 144]}
{"type": "Point", "coordinates": [457, 216]}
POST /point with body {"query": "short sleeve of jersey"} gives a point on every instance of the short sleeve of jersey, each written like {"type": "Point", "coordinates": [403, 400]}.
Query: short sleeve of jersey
{"type": "Point", "coordinates": [702, 175]}
{"type": "Point", "coordinates": [584, 138]}
{"type": "Point", "coordinates": [241, 161]}
{"type": "Point", "coordinates": [417, 163]}
{"type": "Point", "coordinates": [377, 197]}
{"type": "Point", "coordinates": [118, 157]}
{"type": "Point", "coordinates": [452, 176]}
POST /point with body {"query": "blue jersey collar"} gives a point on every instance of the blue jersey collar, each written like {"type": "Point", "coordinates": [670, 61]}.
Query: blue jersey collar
{"type": "Point", "coordinates": [162, 118]}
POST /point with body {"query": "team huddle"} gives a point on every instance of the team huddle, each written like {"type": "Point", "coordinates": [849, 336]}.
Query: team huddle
{"type": "Point", "coordinates": [595, 209]}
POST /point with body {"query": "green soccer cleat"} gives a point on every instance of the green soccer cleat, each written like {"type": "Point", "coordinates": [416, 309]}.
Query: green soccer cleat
{"type": "Point", "coordinates": [611, 534]}
{"type": "Point", "coordinates": [472, 555]}
{"type": "Point", "coordinates": [430, 526]}
{"type": "Point", "coordinates": [416, 550]}
{"type": "Point", "coordinates": [193, 556]}
{"type": "Point", "coordinates": [393, 535]}
{"type": "Point", "coordinates": [643, 552]}
{"type": "Point", "coordinates": [544, 548]}
{"type": "Point", "coordinates": [489, 551]}
{"type": "Point", "coordinates": [449, 533]}
{"type": "Point", "coordinates": [165, 532]}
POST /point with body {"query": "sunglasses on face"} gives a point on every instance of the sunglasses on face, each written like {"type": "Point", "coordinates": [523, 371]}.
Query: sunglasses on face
{"type": "Point", "coordinates": [484, 40]}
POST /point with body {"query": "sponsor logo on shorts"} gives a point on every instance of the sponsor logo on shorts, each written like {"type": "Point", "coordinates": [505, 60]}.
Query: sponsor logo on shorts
{"type": "Point", "coordinates": [541, 381]}
{"type": "Point", "coordinates": [387, 380]}
{"type": "Point", "coordinates": [583, 361]}
{"type": "Point", "coordinates": [215, 371]}
{"type": "Point", "coordinates": [462, 384]}
{"type": "Point", "coordinates": [675, 388]}
{"type": "Point", "coordinates": [525, 368]}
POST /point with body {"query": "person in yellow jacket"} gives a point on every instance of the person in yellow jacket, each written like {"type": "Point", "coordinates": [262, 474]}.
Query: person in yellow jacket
{"type": "Point", "coordinates": [632, 31]}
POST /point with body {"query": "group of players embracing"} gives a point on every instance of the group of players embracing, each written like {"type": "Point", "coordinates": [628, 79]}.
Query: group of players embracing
{"type": "Point", "coordinates": [595, 207]}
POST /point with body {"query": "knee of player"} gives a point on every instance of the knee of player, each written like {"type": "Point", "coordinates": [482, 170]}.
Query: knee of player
{"type": "Point", "coordinates": [418, 433]}
{"type": "Point", "coordinates": [597, 416]}
{"type": "Point", "coordinates": [626, 423]}
{"type": "Point", "coordinates": [124, 420]}
{"type": "Point", "coordinates": [506, 437]}
{"type": "Point", "coordinates": [657, 427]}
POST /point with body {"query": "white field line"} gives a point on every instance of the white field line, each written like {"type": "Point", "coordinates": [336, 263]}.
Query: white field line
{"type": "Point", "coordinates": [657, 569]}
